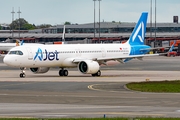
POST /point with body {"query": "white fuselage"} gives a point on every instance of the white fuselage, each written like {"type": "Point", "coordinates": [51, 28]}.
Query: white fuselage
{"type": "Point", "coordinates": [64, 55]}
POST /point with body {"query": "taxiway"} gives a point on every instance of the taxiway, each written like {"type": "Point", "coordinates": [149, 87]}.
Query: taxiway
{"type": "Point", "coordinates": [48, 95]}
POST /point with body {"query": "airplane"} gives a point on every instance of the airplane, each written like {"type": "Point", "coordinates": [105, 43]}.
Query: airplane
{"type": "Point", "coordinates": [86, 57]}
{"type": "Point", "coordinates": [8, 46]}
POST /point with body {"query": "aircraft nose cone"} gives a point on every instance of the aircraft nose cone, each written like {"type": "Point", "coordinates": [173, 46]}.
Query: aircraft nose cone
{"type": "Point", "coordinates": [6, 60]}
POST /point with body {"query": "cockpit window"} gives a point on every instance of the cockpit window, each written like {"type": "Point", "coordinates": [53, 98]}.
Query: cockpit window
{"type": "Point", "coordinates": [17, 52]}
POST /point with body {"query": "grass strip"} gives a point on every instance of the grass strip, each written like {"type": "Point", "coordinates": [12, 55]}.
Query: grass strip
{"type": "Point", "coordinates": [156, 86]}
{"type": "Point", "coordinates": [89, 118]}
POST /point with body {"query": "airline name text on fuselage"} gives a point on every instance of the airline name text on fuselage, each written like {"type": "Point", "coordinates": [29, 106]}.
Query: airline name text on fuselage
{"type": "Point", "coordinates": [43, 56]}
{"type": "Point", "coordinates": [51, 55]}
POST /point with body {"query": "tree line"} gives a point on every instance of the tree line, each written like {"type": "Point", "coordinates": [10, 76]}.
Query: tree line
{"type": "Point", "coordinates": [24, 25]}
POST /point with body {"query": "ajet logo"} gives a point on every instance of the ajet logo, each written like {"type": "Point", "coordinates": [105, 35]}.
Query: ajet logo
{"type": "Point", "coordinates": [46, 56]}
{"type": "Point", "coordinates": [140, 35]}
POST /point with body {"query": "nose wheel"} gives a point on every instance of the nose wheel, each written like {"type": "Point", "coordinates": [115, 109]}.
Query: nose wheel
{"type": "Point", "coordinates": [22, 74]}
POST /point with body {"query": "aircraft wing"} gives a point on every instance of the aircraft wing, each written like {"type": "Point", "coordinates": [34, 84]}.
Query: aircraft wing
{"type": "Point", "coordinates": [120, 59]}
{"type": "Point", "coordinates": [127, 57]}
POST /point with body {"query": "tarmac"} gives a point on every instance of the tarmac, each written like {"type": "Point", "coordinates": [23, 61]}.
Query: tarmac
{"type": "Point", "coordinates": [50, 96]}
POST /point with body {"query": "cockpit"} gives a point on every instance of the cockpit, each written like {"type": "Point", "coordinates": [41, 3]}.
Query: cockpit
{"type": "Point", "coordinates": [15, 52]}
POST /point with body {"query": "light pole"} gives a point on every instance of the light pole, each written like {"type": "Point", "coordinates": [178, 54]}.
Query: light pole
{"type": "Point", "coordinates": [151, 19]}
{"type": "Point", "coordinates": [99, 20]}
{"type": "Point", "coordinates": [94, 19]}
{"type": "Point", "coordinates": [12, 22]}
{"type": "Point", "coordinates": [155, 23]}
{"type": "Point", "coordinates": [19, 12]}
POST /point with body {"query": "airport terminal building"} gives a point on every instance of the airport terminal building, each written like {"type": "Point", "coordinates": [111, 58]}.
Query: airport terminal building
{"type": "Point", "coordinates": [84, 33]}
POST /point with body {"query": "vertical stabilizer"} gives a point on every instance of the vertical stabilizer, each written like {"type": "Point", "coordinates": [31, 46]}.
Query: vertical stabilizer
{"type": "Point", "coordinates": [22, 42]}
{"type": "Point", "coordinates": [172, 47]}
{"type": "Point", "coordinates": [138, 34]}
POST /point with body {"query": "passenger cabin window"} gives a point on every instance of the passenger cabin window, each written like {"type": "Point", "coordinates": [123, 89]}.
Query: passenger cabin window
{"type": "Point", "coordinates": [17, 52]}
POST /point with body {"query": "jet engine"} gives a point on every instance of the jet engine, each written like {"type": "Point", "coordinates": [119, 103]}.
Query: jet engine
{"type": "Point", "coordinates": [39, 70]}
{"type": "Point", "coordinates": [88, 67]}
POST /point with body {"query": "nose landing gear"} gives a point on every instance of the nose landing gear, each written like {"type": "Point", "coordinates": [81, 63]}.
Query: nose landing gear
{"type": "Point", "coordinates": [22, 74]}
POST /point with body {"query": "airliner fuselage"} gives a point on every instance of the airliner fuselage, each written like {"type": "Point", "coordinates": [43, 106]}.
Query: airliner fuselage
{"type": "Point", "coordinates": [63, 55]}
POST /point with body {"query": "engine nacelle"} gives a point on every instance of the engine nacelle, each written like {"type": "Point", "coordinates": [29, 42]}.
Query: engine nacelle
{"type": "Point", "coordinates": [88, 67]}
{"type": "Point", "coordinates": [39, 70]}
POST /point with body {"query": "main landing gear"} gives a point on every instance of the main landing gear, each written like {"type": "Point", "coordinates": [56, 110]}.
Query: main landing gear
{"type": "Point", "coordinates": [22, 74]}
{"type": "Point", "coordinates": [63, 72]}
{"type": "Point", "coordinates": [97, 74]}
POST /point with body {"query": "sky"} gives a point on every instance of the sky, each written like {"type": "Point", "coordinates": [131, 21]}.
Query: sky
{"type": "Point", "coordinates": [56, 12]}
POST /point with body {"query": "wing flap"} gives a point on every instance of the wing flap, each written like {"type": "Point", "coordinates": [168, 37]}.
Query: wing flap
{"type": "Point", "coordinates": [127, 57]}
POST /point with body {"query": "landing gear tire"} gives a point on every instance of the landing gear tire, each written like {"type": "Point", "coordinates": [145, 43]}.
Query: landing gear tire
{"type": "Point", "coordinates": [63, 72]}
{"type": "Point", "coordinates": [60, 72]}
{"type": "Point", "coordinates": [22, 75]}
{"type": "Point", "coordinates": [97, 74]}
